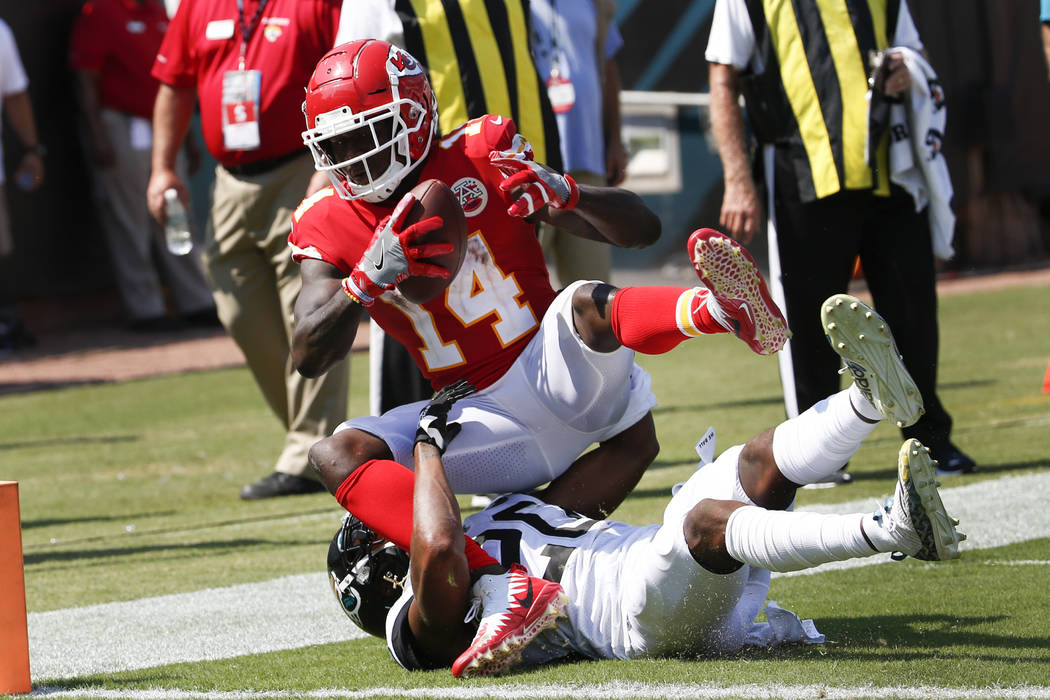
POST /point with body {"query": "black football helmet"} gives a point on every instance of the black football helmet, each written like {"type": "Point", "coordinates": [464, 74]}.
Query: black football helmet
{"type": "Point", "coordinates": [367, 574]}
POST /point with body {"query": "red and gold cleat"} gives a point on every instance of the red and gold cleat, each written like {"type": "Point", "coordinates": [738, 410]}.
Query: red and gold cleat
{"type": "Point", "coordinates": [733, 278]}
{"type": "Point", "coordinates": [515, 607]}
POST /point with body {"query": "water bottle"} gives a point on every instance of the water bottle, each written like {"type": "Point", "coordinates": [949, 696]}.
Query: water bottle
{"type": "Point", "coordinates": [177, 230]}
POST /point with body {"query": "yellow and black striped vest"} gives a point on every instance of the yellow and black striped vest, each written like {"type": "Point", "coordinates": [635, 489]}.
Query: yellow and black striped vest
{"type": "Point", "coordinates": [810, 97]}
{"type": "Point", "coordinates": [478, 57]}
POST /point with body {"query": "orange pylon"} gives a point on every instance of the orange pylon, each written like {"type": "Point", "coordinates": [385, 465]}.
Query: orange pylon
{"type": "Point", "coordinates": [14, 635]}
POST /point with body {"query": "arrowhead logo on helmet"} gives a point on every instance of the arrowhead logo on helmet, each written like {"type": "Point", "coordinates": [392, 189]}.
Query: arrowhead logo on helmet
{"type": "Point", "coordinates": [371, 116]}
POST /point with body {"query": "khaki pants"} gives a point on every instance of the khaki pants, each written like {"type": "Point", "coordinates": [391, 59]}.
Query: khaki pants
{"type": "Point", "coordinates": [255, 285]}
{"type": "Point", "coordinates": [572, 257]}
{"type": "Point", "coordinates": [141, 261]}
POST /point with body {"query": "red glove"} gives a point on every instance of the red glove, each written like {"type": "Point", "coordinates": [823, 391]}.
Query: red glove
{"type": "Point", "coordinates": [394, 255]}
{"type": "Point", "coordinates": [539, 184]}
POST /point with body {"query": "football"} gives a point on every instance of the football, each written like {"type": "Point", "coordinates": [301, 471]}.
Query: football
{"type": "Point", "coordinates": [434, 198]}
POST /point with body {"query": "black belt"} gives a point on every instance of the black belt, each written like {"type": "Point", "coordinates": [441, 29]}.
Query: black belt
{"type": "Point", "coordinates": [262, 166]}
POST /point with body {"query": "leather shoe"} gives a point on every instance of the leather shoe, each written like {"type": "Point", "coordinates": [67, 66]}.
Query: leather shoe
{"type": "Point", "coordinates": [951, 460]}
{"type": "Point", "coordinates": [280, 484]}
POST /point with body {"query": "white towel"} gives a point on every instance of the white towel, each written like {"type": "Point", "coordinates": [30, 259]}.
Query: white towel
{"type": "Point", "coordinates": [916, 163]}
{"type": "Point", "coordinates": [784, 627]}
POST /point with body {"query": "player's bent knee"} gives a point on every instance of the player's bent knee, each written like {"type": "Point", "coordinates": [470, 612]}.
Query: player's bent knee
{"type": "Point", "coordinates": [336, 457]}
{"type": "Point", "coordinates": [760, 477]}
{"type": "Point", "coordinates": [592, 316]}
{"type": "Point", "coordinates": [705, 534]}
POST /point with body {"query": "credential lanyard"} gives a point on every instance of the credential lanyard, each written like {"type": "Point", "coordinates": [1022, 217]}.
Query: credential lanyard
{"type": "Point", "coordinates": [248, 29]}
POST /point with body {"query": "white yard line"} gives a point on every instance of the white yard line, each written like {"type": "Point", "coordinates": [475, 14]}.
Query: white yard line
{"type": "Point", "coordinates": [991, 513]}
{"type": "Point", "coordinates": [216, 623]}
{"type": "Point", "coordinates": [298, 611]}
{"type": "Point", "coordinates": [601, 691]}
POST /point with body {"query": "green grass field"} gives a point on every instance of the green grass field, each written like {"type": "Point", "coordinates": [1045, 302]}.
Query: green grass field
{"type": "Point", "coordinates": [129, 491]}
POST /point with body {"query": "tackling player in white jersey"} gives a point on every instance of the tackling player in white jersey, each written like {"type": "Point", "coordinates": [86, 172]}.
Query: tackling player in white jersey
{"type": "Point", "coordinates": [691, 585]}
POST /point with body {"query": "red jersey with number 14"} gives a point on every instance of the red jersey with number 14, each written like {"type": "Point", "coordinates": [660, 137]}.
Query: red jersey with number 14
{"type": "Point", "coordinates": [492, 308]}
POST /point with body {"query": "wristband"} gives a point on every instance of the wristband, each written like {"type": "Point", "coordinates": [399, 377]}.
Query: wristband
{"type": "Point", "coordinates": [574, 193]}
{"type": "Point", "coordinates": [356, 293]}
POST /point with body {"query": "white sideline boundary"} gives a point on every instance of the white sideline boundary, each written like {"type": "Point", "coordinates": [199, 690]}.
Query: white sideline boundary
{"type": "Point", "coordinates": [215, 623]}
{"type": "Point", "coordinates": [992, 513]}
{"type": "Point", "coordinates": [298, 611]}
{"type": "Point", "coordinates": [601, 691]}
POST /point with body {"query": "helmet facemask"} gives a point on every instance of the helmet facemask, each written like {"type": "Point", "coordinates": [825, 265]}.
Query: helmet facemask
{"type": "Point", "coordinates": [366, 573]}
{"type": "Point", "coordinates": [371, 116]}
{"type": "Point", "coordinates": [367, 155]}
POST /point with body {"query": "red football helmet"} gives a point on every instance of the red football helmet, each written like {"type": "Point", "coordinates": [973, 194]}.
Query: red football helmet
{"type": "Point", "coordinates": [370, 118]}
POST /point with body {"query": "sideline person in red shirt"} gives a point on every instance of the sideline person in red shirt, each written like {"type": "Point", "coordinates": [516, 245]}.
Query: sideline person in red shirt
{"type": "Point", "coordinates": [245, 63]}
{"type": "Point", "coordinates": [113, 44]}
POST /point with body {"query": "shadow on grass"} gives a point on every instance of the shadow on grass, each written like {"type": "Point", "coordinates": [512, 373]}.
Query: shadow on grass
{"type": "Point", "coordinates": [177, 529]}
{"type": "Point", "coordinates": [197, 548]}
{"type": "Point", "coordinates": [13, 388]}
{"type": "Point", "coordinates": [55, 522]}
{"type": "Point", "coordinates": [904, 638]}
{"type": "Point", "coordinates": [75, 440]}
{"type": "Point", "coordinates": [743, 403]}
{"type": "Point", "coordinates": [984, 468]}
{"type": "Point", "coordinates": [968, 384]}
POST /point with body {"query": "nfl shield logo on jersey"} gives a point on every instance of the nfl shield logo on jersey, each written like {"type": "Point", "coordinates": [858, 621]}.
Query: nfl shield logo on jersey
{"type": "Point", "coordinates": [471, 194]}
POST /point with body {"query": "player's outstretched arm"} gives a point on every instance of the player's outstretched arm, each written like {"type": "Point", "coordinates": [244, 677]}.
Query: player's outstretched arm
{"type": "Point", "coordinates": [326, 319]}
{"type": "Point", "coordinates": [608, 214]}
{"type": "Point", "coordinates": [441, 579]}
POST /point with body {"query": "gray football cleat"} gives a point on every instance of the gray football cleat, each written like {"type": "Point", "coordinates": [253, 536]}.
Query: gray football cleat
{"type": "Point", "coordinates": [915, 515]}
{"type": "Point", "coordinates": [863, 340]}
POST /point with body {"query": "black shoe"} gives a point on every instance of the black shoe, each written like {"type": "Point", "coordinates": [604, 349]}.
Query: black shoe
{"type": "Point", "coordinates": [280, 484]}
{"type": "Point", "coordinates": [951, 461]}
{"type": "Point", "coordinates": [838, 478]}
{"type": "Point", "coordinates": [14, 336]}
{"type": "Point", "coordinates": [157, 324]}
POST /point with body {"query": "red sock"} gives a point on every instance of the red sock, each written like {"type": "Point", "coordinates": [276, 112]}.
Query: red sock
{"type": "Point", "coordinates": [379, 494]}
{"type": "Point", "coordinates": [654, 320]}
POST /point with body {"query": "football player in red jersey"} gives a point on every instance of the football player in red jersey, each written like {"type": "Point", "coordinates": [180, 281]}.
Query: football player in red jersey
{"type": "Point", "coordinates": [555, 372]}
{"type": "Point", "coordinates": [691, 585]}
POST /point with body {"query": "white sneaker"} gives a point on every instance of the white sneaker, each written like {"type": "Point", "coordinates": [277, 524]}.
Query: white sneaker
{"type": "Point", "coordinates": [915, 516]}
{"type": "Point", "coordinates": [864, 342]}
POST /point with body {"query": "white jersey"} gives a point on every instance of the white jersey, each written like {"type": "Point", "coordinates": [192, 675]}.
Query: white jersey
{"type": "Point", "coordinates": [634, 591]}
{"type": "Point", "coordinates": [587, 557]}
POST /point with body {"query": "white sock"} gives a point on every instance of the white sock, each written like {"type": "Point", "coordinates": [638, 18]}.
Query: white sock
{"type": "Point", "coordinates": [886, 536]}
{"type": "Point", "coordinates": [822, 439]}
{"type": "Point", "coordinates": [863, 405]}
{"type": "Point", "coordinates": [784, 541]}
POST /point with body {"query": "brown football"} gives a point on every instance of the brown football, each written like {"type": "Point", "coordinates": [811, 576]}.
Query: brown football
{"type": "Point", "coordinates": [436, 199]}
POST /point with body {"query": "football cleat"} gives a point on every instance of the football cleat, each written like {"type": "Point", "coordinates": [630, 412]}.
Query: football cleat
{"type": "Point", "coordinates": [915, 515]}
{"type": "Point", "coordinates": [864, 342]}
{"type": "Point", "coordinates": [731, 275]}
{"type": "Point", "coordinates": [515, 607]}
